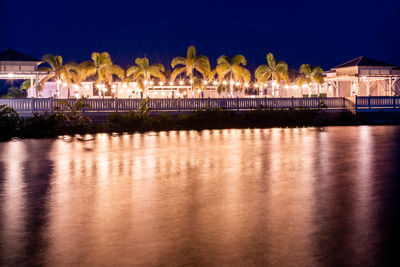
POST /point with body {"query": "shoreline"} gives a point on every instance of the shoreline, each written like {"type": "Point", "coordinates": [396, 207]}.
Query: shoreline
{"type": "Point", "coordinates": [60, 124]}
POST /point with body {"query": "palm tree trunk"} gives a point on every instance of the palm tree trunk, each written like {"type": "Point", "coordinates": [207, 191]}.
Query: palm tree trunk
{"type": "Point", "coordinates": [57, 89]}
{"type": "Point", "coordinates": [192, 84]}
{"type": "Point", "coordinates": [273, 86]}
{"type": "Point", "coordinates": [231, 85]}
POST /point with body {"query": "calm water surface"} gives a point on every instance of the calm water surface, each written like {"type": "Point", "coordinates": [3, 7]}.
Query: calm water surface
{"type": "Point", "coordinates": [278, 197]}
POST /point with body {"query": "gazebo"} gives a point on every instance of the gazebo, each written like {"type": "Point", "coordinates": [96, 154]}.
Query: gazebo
{"type": "Point", "coordinates": [363, 76]}
{"type": "Point", "coordinates": [17, 66]}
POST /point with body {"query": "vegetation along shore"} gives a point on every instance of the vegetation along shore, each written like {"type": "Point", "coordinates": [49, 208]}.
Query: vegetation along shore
{"type": "Point", "coordinates": [141, 120]}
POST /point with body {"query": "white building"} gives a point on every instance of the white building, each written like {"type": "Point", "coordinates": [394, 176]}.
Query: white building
{"type": "Point", "coordinates": [363, 76]}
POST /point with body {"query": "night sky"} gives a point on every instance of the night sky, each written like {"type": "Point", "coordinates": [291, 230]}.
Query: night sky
{"type": "Point", "coordinates": [324, 33]}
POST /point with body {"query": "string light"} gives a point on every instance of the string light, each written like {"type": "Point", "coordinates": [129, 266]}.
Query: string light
{"type": "Point", "coordinates": [181, 82]}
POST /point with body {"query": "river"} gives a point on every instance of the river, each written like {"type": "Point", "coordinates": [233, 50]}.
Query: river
{"type": "Point", "coordinates": [278, 197]}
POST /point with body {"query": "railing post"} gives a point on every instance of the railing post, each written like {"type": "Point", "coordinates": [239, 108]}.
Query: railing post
{"type": "Point", "coordinates": [394, 101]}
{"type": "Point", "coordinates": [292, 102]}
{"type": "Point", "coordinates": [237, 104]}
{"type": "Point", "coordinates": [356, 104]}
{"type": "Point", "coordinates": [51, 105]}
{"type": "Point", "coordinates": [33, 105]}
{"type": "Point", "coordinates": [115, 105]}
{"type": "Point", "coordinates": [208, 103]}
{"type": "Point", "coordinates": [369, 102]}
{"type": "Point", "coordinates": [179, 105]}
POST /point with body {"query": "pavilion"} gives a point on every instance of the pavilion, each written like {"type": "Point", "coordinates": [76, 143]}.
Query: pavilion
{"type": "Point", "coordinates": [363, 76]}
{"type": "Point", "coordinates": [17, 66]}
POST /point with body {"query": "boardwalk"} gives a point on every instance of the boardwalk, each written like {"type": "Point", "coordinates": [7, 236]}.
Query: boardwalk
{"type": "Point", "coordinates": [42, 105]}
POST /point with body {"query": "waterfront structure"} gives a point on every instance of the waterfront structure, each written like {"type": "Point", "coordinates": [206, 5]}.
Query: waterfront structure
{"type": "Point", "coordinates": [17, 66]}
{"type": "Point", "coordinates": [362, 76]}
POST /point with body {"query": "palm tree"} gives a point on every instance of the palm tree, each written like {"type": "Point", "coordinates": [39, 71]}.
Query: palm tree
{"type": "Point", "coordinates": [103, 67]}
{"type": "Point", "coordinates": [234, 69]}
{"type": "Point", "coordinates": [189, 64]}
{"type": "Point", "coordinates": [72, 112]}
{"type": "Point", "coordinates": [27, 84]}
{"type": "Point", "coordinates": [143, 72]}
{"type": "Point", "coordinates": [309, 74]}
{"type": "Point", "coordinates": [275, 70]}
{"type": "Point", "coordinates": [58, 71]}
{"type": "Point", "coordinates": [79, 73]}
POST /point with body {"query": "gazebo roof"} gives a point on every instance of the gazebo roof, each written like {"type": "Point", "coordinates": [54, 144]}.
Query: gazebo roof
{"type": "Point", "coordinates": [364, 61]}
{"type": "Point", "coordinates": [12, 55]}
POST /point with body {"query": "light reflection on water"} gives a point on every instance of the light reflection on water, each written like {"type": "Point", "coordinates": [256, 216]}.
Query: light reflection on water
{"type": "Point", "coordinates": [283, 197]}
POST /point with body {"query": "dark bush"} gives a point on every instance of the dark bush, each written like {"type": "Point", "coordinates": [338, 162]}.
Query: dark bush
{"type": "Point", "coordinates": [9, 122]}
{"type": "Point", "coordinates": [46, 125]}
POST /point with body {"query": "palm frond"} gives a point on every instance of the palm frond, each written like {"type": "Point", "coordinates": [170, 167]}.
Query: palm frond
{"type": "Point", "coordinates": [178, 61]}
{"type": "Point", "coordinates": [239, 59]}
{"type": "Point", "coordinates": [176, 72]}
{"type": "Point", "coordinates": [191, 52]}
{"type": "Point", "coordinates": [142, 62]}
{"type": "Point", "coordinates": [132, 70]}
{"type": "Point", "coordinates": [25, 85]}
{"type": "Point", "coordinates": [222, 69]}
{"type": "Point", "coordinates": [281, 66]}
{"type": "Point", "coordinates": [46, 69]}
{"type": "Point", "coordinates": [271, 61]}
{"type": "Point", "coordinates": [155, 72]}
{"type": "Point", "coordinates": [317, 69]}
{"type": "Point", "coordinates": [299, 81]}
{"type": "Point", "coordinates": [261, 72]}
{"type": "Point", "coordinates": [117, 70]}
{"type": "Point", "coordinates": [305, 69]}
{"type": "Point", "coordinates": [319, 78]}
{"type": "Point", "coordinates": [45, 79]}
{"type": "Point", "coordinates": [223, 59]}
{"type": "Point", "coordinates": [160, 67]}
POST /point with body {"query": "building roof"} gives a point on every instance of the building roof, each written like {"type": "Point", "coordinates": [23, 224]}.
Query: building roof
{"type": "Point", "coordinates": [364, 61]}
{"type": "Point", "coordinates": [12, 55]}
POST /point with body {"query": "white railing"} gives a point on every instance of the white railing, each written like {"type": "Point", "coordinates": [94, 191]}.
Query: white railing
{"type": "Point", "coordinates": [377, 102]}
{"type": "Point", "coordinates": [41, 105]}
